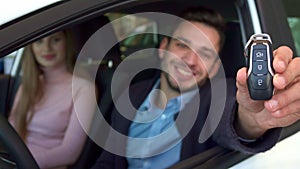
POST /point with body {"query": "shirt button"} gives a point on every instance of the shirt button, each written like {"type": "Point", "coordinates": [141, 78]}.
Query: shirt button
{"type": "Point", "coordinates": [146, 164]}
{"type": "Point", "coordinates": [163, 117]}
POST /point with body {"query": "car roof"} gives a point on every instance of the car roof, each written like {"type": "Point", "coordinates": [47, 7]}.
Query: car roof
{"type": "Point", "coordinates": [10, 11]}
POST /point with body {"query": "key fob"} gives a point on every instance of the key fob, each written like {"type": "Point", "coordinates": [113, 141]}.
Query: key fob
{"type": "Point", "coordinates": [260, 72]}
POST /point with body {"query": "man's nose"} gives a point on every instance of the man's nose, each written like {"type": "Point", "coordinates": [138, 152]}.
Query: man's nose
{"type": "Point", "coordinates": [190, 57]}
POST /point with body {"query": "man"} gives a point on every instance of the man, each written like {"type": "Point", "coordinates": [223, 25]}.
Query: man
{"type": "Point", "coordinates": [190, 66]}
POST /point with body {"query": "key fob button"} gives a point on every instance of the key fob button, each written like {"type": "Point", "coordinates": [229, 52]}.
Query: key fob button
{"type": "Point", "coordinates": [259, 55]}
{"type": "Point", "coordinates": [260, 68]}
{"type": "Point", "coordinates": [261, 82]}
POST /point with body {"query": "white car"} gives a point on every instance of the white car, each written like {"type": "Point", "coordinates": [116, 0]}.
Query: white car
{"type": "Point", "coordinates": [24, 22]}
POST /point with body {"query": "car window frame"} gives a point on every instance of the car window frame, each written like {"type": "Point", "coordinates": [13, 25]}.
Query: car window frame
{"type": "Point", "coordinates": [59, 16]}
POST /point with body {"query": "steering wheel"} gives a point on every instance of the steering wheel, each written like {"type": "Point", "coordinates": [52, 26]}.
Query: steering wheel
{"type": "Point", "coordinates": [15, 146]}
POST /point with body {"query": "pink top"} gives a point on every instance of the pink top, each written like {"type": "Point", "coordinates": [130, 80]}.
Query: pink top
{"type": "Point", "coordinates": [55, 136]}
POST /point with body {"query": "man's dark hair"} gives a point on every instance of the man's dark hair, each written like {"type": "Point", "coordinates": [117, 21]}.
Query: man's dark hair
{"type": "Point", "coordinates": [208, 17]}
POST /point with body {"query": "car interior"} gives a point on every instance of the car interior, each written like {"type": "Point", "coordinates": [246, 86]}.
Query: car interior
{"type": "Point", "coordinates": [231, 56]}
{"type": "Point", "coordinates": [104, 75]}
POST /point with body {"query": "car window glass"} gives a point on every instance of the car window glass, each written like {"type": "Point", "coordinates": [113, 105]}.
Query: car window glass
{"type": "Point", "coordinates": [8, 80]}
{"type": "Point", "coordinates": [127, 28]}
{"type": "Point", "coordinates": [7, 63]}
{"type": "Point", "coordinates": [294, 23]}
{"type": "Point", "coordinates": [293, 18]}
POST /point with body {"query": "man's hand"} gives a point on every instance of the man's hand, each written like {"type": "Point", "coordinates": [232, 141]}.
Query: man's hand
{"type": "Point", "coordinates": [283, 109]}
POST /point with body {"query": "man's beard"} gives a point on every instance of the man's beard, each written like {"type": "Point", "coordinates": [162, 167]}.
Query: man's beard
{"type": "Point", "coordinates": [176, 87]}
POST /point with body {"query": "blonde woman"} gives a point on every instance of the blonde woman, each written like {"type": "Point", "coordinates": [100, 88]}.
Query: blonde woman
{"type": "Point", "coordinates": [43, 112]}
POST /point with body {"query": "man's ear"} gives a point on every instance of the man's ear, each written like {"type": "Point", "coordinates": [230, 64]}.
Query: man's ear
{"type": "Point", "coordinates": [215, 68]}
{"type": "Point", "coordinates": [163, 46]}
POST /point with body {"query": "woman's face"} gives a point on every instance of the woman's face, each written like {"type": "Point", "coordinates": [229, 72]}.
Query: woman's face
{"type": "Point", "coordinates": [51, 51]}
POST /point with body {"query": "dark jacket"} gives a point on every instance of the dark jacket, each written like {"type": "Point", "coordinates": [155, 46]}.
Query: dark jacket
{"type": "Point", "coordinates": [224, 135]}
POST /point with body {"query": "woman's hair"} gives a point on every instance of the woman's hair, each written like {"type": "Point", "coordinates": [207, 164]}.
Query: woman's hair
{"type": "Point", "coordinates": [32, 84]}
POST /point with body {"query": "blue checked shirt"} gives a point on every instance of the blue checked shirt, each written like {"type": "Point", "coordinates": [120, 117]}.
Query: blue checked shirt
{"type": "Point", "coordinates": [156, 141]}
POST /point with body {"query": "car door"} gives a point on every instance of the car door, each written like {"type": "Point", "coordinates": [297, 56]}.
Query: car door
{"type": "Point", "coordinates": [280, 19]}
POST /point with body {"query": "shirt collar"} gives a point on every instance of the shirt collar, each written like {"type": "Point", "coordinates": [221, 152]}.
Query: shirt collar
{"type": "Point", "coordinates": [183, 98]}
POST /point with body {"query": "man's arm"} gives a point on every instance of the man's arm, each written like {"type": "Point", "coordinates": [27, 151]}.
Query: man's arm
{"type": "Point", "coordinates": [228, 134]}
{"type": "Point", "coordinates": [255, 118]}
{"type": "Point", "coordinates": [251, 126]}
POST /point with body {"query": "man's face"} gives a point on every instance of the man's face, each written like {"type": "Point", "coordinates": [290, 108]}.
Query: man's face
{"type": "Point", "coordinates": [192, 56]}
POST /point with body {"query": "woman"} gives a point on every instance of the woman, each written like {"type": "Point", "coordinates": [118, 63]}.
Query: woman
{"type": "Point", "coordinates": [43, 112]}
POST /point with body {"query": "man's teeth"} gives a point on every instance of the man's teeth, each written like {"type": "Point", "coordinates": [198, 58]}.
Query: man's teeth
{"type": "Point", "coordinates": [184, 72]}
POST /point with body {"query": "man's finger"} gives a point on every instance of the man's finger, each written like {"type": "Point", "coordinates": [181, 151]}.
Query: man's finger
{"type": "Point", "coordinates": [283, 98]}
{"type": "Point", "coordinates": [282, 56]}
{"type": "Point", "coordinates": [291, 109]}
{"type": "Point", "coordinates": [241, 80]}
{"type": "Point", "coordinates": [282, 80]}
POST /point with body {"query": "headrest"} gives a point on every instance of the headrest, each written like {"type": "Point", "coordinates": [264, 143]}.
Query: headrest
{"type": "Point", "coordinates": [83, 31]}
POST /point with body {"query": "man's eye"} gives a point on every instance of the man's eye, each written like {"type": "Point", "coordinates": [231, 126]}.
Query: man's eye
{"type": "Point", "coordinates": [206, 55]}
{"type": "Point", "coordinates": [182, 45]}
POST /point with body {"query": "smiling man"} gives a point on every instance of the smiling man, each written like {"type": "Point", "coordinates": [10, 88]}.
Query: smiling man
{"type": "Point", "coordinates": [182, 59]}
{"type": "Point", "coordinates": [189, 64]}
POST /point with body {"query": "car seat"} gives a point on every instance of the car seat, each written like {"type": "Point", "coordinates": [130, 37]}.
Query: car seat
{"type": "Point", "coordinates": [82, 33]}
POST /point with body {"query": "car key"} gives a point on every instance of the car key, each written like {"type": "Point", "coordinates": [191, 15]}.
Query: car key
{"type": "Point", "coordinates": [259, 58]}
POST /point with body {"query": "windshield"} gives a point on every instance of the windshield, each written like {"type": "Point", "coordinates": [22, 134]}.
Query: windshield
{"type": "Point", "coordinates": [12, 9]}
